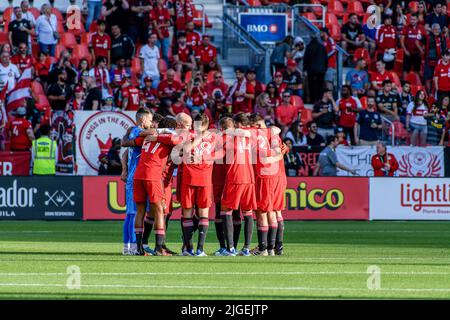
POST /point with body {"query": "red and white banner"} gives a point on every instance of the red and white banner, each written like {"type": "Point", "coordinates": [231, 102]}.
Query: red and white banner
{"type": "Point", "coordinates": [409, 199]}
{"type": "Point", "coordinates": [15, 163]}
{"type": "Point", "coordinates": [20, 92]}
{"type": "Point", "coordinates": [413, 161]}
{"type": "Point", "coordinates": [95, 133]}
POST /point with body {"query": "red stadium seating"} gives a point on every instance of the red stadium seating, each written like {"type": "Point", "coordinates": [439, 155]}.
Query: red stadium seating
{"type": "Point", "coordinates": [211, 76]}
{"type": "Point", "coordinates": [136, 66]}
{"type": "Point", "coordinates": [68, 40]}
{"type": "Point", "coordinates": [335, 32]}
{"type": "Point", "coordinates": [59, 48]}
{"type": "Point", "coordinates": [413, 6]}
{"type": "Point", "coordinates": [36, 87]}
{"type": "Point", "coordinates": [188, 76]}
{"type": "Point", "coordinates": [254, 3]}
{"type": "Point", "coordinates": [35, 11]}
{"type": "Point", "coordinates": [306, 116]}
{"type": "Point", "coordinates": [336, 7]}
{"type": "Point", "coordinates": [7, 14]}
{"type": "Point", "coordinates": [413, 78]}
{"type": "Point", "coordinates": [361, 53]}
{"type": "Point", "coordinates": [4, 37]}
{"type": "Point", "coordinates": [415, 88]}
{"type": "Point", "coordinates": [397, 81]}
{"type": "Point", "coordinates": [58, 15]}
{"type": "Point", "coordinates": [162, 65]}
{"type": "Point", "coordinates": [297, 102]}
{"type": "Point", "coordinates": [81, 51]}
{"type": "Point", "coordinates": [331, 18]}
{"type": "Point", "coordinates": [356, 7]}
{"type": "Point", "coordinates": [85, 38]}
{"type": "Point", "coordinates": [363, 101]}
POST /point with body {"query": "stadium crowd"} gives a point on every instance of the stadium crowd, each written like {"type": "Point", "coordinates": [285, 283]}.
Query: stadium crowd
{"type": "Point", "coordinates": [129, 54]}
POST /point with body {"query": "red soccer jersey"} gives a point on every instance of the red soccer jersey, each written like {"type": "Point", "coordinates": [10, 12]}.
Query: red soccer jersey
{"type": "Point", "coordinates": [205, 54]}
{"type": "Point", "coordinates": [281, 88]}
{"type": "Point", "coordinates": [330, 46]}
{"type": "Point", "coordinates": [238, 156]}
{"type": "Point", "coordinates": [101, 44]}
{"type": "Point", "coordinates": [154, 157]}
{"type": "Point", "coordinates": [184, 13]}
{"type": "Point", "coordinates": [264, 149]}
{"type": "Point", "coordinates": [23, 62]}
{"type": "Point", "coordinates": [286, 114]}
{"type": "Point", "coordinates": [19, 137]}
{"type": "Point", "coordinates": [184, 54]}
{"type": "Point", "coordinates": [42, 69]}
{"type": "Point", "coordinates": [442, 72]}
{"type": "Point", "coordinates": [411, 36]}
{"type": "Point", "coordinates": [193, 39]}
{"type": "Point", "coordinates": [166, 89]}
{"type": "Point", "coordinates": [150, 95]}
{"type": "Point", "coordinates": [160, 15]}
{"type": "Point", "coordinates": [133, 95]}
{"type": "Point", "coordinates": [385, 37]}
{"type": "Point", "coordinates": [378, 78]}
{"type": "Point", "coordinates": [347, 106]}
{"type": "Point", "coordinates": [118, 75]}
{"type": "Point", "coordinates": [211, 88]}
{"type": "Point", "coordinates": [200, 173]}
{"type": "Point", "coordinates": [241, 104]}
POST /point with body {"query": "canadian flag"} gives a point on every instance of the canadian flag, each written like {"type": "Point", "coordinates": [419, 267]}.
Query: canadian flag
{"type": "Point", "coordinates": [20, 92]}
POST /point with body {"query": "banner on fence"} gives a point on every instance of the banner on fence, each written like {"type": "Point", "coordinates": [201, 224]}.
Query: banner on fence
{"type": "Point", "coordinates": [409, 199]}
{"type": "Point", "coordinates": [413, 161]}
{"type": "Point", "coordinates": [95, 132]}
{"type": "Point", "coordinates": [41, 198]}
{"type": "Point", "coordinates": [63, 131]}
{"type": "Point", "coordinates": [265, 27]}
{"type": "Point", "coordinates": [309, 156]}
{"type": "Point", "coordinates": [15, 163]}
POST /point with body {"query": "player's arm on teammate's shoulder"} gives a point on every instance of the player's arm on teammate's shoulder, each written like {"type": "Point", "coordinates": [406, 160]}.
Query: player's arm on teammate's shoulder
{"type": "Point", "coordinates": [126, 141]}
{"type": "Point", "coordinates": [124, 161]}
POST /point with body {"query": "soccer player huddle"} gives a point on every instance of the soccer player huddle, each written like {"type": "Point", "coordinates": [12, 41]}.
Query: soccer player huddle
{"type": "Point", "coordinates": [239, 168]}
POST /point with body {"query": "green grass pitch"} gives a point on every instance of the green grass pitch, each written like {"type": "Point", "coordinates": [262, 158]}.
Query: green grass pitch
{"type": "Point", "coordinates": [322, 260]}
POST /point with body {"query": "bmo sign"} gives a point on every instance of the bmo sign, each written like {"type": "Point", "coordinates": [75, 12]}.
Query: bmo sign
{"type": "Point", "coordinates": [265, 27]}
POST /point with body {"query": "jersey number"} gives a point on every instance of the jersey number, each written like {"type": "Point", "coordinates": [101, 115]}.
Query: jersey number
{"type": "Point", "coordinates": [146, 146]}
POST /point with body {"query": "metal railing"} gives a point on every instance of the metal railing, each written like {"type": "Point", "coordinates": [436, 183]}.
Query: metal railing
{"type": "Point", "coordinates": [385, 133]}
{"type": "Point", "coordinates": [236, 37]}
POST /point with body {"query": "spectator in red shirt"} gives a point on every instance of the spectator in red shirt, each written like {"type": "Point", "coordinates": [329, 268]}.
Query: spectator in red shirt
{"type": "Point", "coordinates": [347, 107]}
{"type": "Point", "coordinates": [286, 113]}
{"type": "Point", "coordinates": [442, 76]}
{"type": "Point", "coordinates": [149, 94]}
{"type": "Point", "coordinates": [184, 13]}
{"type": "Point", "coordinates": [183, 57]}
{"type": "Point", "coordinates": [381, 75]}
{"type": "Point", "coordinates": [216, 91]}
{"type": "Point", "coordinates": [206, 55]}
{"type": "Point", "coordinates": [411, 41]}
{"type": "Point", "coordinates": [279, 82]}
{"type": "Point", "coordinates": [330, 46]}
{"type": "Point", "coordinates": [193, 38]}
{"type": "Point", "coordinates": [41, 69]}
{"type": "Point", "coordinates": [160, 18]}
{"type": "Point", "coordinates": [384, 164]}
{"type": "Point", "coordinates": [20, 131]}
{"type": "Point", "coordinates": [100, 43]}
{"type": "Point", "coordinates": [274, 96]}
{"type": "Point", "coordinates": [251, 78]}
{"type": "Point", "coordinates": [386, 40]}
{"type": "Point", "coordinates": [241, 94]}
{"type": "Point", "coordinates": [169, 86]}
{"type": "Point", "coordinates": [22, 59]}
{"type": "Point", "coordinates": [196, 95]}
{"type": "Point", "coordinates": [130, 96]}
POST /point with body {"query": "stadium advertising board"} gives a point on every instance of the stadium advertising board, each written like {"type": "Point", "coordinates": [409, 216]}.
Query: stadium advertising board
{"type": "Point", "coordinates": [95, 133]}
{"type": "Point", "coordinates": [109, 200]}
{"type": "Point", "coordinates": [409, 199]}
{"type": "Point", "coordinates": [327, 199]}
{"type": "Point", "coordinates": [413, 161]}
{"type": "Point", "coordinates": [41, 198]}
{"type": "Point", "coordinates": [265, 27]}
{"type": "Point", "coordinates": [15, 163]}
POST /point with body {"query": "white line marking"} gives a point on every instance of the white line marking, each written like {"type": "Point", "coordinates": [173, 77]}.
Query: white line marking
{"type": "Point", "coordinates": [14, 274]}
{"type": "Point", "coordinates": [225, 287]}
{"type": "Point", "coordinates": [288, 231]}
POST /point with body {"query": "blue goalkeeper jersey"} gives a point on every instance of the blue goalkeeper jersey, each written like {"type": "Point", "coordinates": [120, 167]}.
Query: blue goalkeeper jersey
{"type": "Point", "coordinates": [134, 154]}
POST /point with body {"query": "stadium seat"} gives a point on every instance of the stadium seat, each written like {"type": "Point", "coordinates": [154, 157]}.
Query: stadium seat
{"type": "Point", "coordinates": [330, 18]}
{"type": "Point", "coordinates": [136, 66]}
{"type": "Point", "coordinates": [93, 26]}
{"type": "Point", "coordinates": [336, 7]}
{"type": "Point", "coordinates": [356, 7]}
{"type": "Point", "coordinates": [4, 37]}
{"type": "Point", "coordinates": [188, 76]}
{"type": "Point", "coordinates": [78, 32]}
{"type": "Point", "coordinates": [178, 78]}
{"type": "Point", "coordinates": [35, 11]}
{"type": "Point", "coordinates": [37, 89]}
{"type": "Point", "coordinates": [399, 131]}
{"type": "Point", "coordinates": [306, 116]}
{"type": "Point", "coordinates": [254, 3]}
{"type": "Point", "coordinates": [335, 32]}
{"type": "Point", "coordinates": [79, 52]}
{"type": "Point", "coordinates": [297, 101]}
{"type": "Point", "coordinates": [85, 38]}
{"type": "Point", "coordinates": [58, 15]}
{"type": "Point", "coordinates": [162, 66]}
{"type": "Point", "coordinates": [397, 81]}
{"type": "Point", "coordinates": [413, 6]}
{"type": "Point", "coordinates": [7, 14]}
{"type": "Point", "coordinates": [363, 101]}
{"type": "Point", "coordinates": [59, 48]}
{"type": "Point", "coordinates": [415, 88]}
{"type": "Point", "coordinates": [68, 40]}
{"type": "Point", "coordinates": [317, 11]}
{"type": "Point", "coordinates": [413, 78]}
{"type": "Point", "coordinates": [361, 53]}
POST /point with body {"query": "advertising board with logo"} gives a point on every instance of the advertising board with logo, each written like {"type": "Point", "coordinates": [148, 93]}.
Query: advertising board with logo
{"type": "Point", "coordinates": [409, 199]}
{"type": "Point", "coordinates": [265, 27]}
{"type": "Point", "coordinates": [95, 133]}
{"type": "Point", "coordinates": [413, 161]}
{"type": "Point", "coordinates": [41, 198]}
{"type": "Point", "coordinates": [327, 199]}
{"type": "Point", "coordinates": [15, 163]}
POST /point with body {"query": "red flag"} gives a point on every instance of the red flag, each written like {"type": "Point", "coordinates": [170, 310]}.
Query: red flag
{"type": "Point", "coordinates": [20, 92]}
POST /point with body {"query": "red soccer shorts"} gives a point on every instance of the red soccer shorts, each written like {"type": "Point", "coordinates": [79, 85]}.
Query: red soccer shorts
{"type": "Point", "coordinates": [264, 190]}
{"type": "Point", "coordinates": [217, 192]}
{"type": "Point", "coordinates": [239, 195]}
{"type": "Point", "coordinates": [278, 192]}
{"type": "Point", "coordinates": [195, 195]}
{"type": "Point", "coordinates": [151, 189]}
{"type": "Point", "coordinates": [168, 199]}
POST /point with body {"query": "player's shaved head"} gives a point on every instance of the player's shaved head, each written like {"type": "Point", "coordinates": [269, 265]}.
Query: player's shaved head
{"type": "Point", "coordinates": [184, 120]}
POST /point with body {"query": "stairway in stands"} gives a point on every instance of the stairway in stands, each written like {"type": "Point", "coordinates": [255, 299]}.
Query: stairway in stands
{"type": "Point", "coordinates": [214, 8]}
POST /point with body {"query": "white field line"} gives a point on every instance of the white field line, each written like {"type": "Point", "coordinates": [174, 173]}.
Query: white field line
{"type": "Point", "coordinates": [225, 287]}
{"type": "Point", "coordinates": [119, 274]}
{"type": "Point", "coordinates": [287, 231]}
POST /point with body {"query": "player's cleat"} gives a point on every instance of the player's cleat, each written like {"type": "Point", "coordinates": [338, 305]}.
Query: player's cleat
{"type": "Point", "coordinates": [201, 253]}
{"type": "Point", "coordinates": [271, 252]}
{"type": "Point", "coordinates": [279, 251]}
{"type": "Point", "coordinates": [149, 252]}
{"type": "Point", "coordinates": [231, 253]}
{"type": "Point", "coordinates": [126, 252]}
{"type": "Point", "coordinates": [263, 253]}
{"type": "Point", "coordinates": [244, 252]}
{"type": "Point", "coordinates": [220, 252]}
{"type": "Point", "coordinates": [162, 253]}
{"type": "Point", "coordinates": [188, 253]}
{"type": "Point", "coordinates": [252, 251]}
{"type": "Point", "coordinates": [137, 252]}
{"type": "Point", "coordinates": [169, 251]}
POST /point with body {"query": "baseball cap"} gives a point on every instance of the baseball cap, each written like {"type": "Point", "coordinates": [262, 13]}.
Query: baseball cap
{"type": "Point", "coordinates": [291, 63]}
{"type": "Point", "coordinates": [338, 130]}
{"type": "Point", "coordinates": [148, 78]}
{"type": "Point", "coordinates": [21, 111]}
{"type": "Point", "coordinates": [108, 98]}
